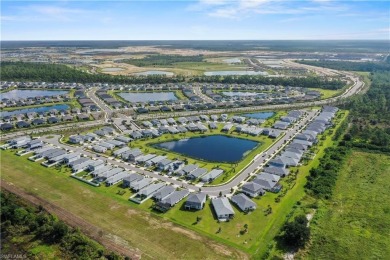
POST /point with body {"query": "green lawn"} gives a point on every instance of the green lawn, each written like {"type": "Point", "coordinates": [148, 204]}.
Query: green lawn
{"type": "Point", "coordinates": [327, 93]}
{"type": "Point", "coordinates": [355, 223]}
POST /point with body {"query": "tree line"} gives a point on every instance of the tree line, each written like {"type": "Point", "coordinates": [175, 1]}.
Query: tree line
{"type": "Point", "coordinates": [23, 71]}
{"type": "Point", "coordinates": [162, 60]}
{"type": "Point", "coordinates": [19, 219]}
{"type": "Point", "coordinates": [370, 115]}
{"type": "Point", "coordinates": [348, 65]}
{"type": "Point", "coordinates": [304, 82]}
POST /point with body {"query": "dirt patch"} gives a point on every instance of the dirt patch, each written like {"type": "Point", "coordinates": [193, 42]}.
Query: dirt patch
{"type": "Point", "coordinates": [131, 212]}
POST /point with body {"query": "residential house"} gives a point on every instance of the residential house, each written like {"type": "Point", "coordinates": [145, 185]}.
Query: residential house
{"type": "Point", "coordinates": [212, 175]}
{"type": "Point", "coordinates": [243, 202]}
{"type": "Point", "coordinates": [195, 201]}
{"type": "Point", "coordinates": [163, 192]}
{"type": "Point", "coordinates": [196, 173]}
{"type": "Point", "coordinates": [222, 208]}
{"type": "Point", "coordinates": [128, 180]}
{"type": "Point", "coordinates": [171, 200]}
{"type": "Point", "coordinates": [252, 189]}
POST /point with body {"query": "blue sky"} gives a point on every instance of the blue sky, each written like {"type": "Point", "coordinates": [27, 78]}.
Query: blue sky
{"type": "Point", "coordinates": [194, 20]}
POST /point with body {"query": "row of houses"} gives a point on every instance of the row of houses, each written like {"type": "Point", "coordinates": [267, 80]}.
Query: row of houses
{"type": "Point", "coordinates": [289, 119]}
{"type": "Point", "coordinates": [108, 99]}
{"type": "Point", "coordinates": [185, 120]}
{"type": "Point", "coordinates": [41, 121]}
{"type": "Point", "coordinates": [150, 133]}
{"type": "Point", "coordinates": [294, 152]}
{"type": "Point", "coordinates": [24, 142]}
{"type": "Point", "coordinates": [109, 144]}
{"type": "Point", "coordinates": [74, 113]}
{"type": "Point", "coordinates": [223, 209]}
{"type": "Point", "coordinates": [31, 101]}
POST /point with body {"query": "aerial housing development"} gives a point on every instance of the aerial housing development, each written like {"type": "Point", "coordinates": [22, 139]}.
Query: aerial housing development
{"type": "Point", "coordinates": [195, 148]}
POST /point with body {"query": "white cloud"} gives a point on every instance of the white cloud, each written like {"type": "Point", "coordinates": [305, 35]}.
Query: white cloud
{"type": "Point", "coordinates": [237, 9]}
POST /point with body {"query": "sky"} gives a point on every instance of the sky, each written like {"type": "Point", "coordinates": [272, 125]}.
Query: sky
{"type": "Point", "coordinates": [195, 20]}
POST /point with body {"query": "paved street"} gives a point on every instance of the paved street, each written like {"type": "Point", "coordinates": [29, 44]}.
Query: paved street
{"type": "Point", "coordinates": [198, 92]}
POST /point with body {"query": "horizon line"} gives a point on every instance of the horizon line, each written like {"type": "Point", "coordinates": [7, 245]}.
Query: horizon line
{"type": "Point", "coordinates": [207, 40]}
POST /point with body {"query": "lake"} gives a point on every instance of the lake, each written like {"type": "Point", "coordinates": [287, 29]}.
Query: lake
{"type": "Point", "coordinates": [234, 72]}
{"type": "Point", "coordinates": [154, 72]}
{"type": "Point", "coordinates": [35, 109]}
{"type": "Point", "coordinates": [242, 94]}
{"type": "Point", "coordinates": [260, 115]}
{"type": "Point", "coordinates": [17, 94]}
{"type": "Point", "coordinates": [147, 96]}
{"type": "Point", "coordinates": [214, 148]}
{"type": "Point", "coordinates": [112, 69]}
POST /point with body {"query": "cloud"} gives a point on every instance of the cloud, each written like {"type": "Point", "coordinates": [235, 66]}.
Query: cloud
{"type": "Point", "coordinates": [238, 9]}
{"type": "Point", "coordinates": [52, 13]}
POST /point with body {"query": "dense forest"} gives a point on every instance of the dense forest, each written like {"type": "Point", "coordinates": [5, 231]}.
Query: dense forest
{"type": "Point", "coordinates": [20, 221]}
{"type": "Point", "coordinates": [370, 115]}
{"type": "Point", "coordinates": [162, 60]}
{"type": "Point", "coordinates": [19, 71]}
{"type": "Point", "coordinates": [321, 180]}
{"type": "Point", "coordinates": [349, 66]}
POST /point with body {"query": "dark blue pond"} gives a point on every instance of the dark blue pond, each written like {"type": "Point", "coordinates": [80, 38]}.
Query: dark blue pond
{"type": "Point", "coordinates": [44, 109]}
{"type": "Point", "coordinates": [260, 115]}
{"type": "Point", "coordinates": [215, 148]}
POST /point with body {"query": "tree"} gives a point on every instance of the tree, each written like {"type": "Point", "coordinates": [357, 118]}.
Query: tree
{"type": "Point", "coordinates": [297, 232]}
{"type": "Point", "coordinates": [60, 229]}
{"type": "Point", "coordinates": [246, 228]}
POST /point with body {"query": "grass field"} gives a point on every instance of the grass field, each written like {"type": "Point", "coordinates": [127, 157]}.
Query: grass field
{"type": "Point", "coordinates": [198, 68]}
{"type": "Point", "coordinates": [355, 223]}
{"type": "Point", "coordinates": [327, 93]}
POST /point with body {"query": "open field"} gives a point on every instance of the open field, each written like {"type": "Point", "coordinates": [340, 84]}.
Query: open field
{"type": "Point", "coordinates": [144, 230]}
{"type": "Point", "coordinates": [355, 223]}
{"type": "Point", "coordinates": [178, 68]}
